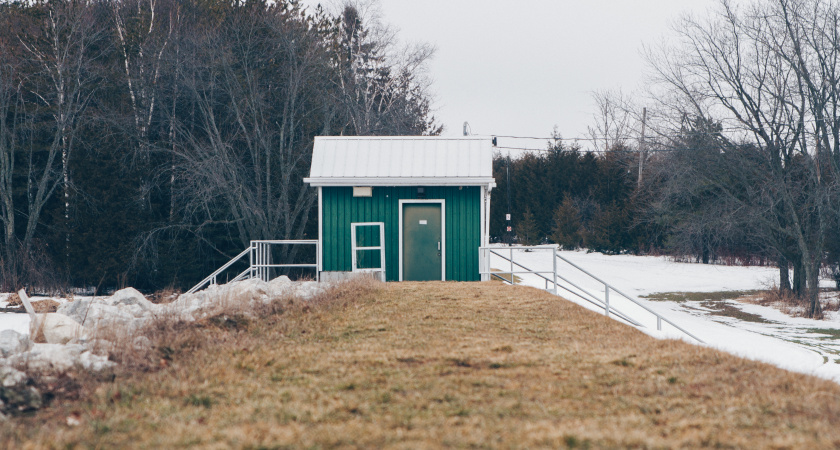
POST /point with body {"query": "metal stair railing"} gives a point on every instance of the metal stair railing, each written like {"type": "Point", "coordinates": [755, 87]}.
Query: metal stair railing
{"type": "Point", "coordinates": [588, 297]}
{"type": "Point", "coordinates": [607, 287]}
{"type": "Point", "coordinates": [261, 257]}
{"type": "Point", "coordinates": [211, 279]}
{"type": "Point", "coordinates": [259, 262]}
{"type": "Point", "coordinates": [580, 292]}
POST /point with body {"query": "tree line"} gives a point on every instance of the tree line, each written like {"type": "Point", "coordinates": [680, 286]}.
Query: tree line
{"type": "Point", "coordinates": [564, 195]}
{"type": "Point", "coordinates": [145, 142]}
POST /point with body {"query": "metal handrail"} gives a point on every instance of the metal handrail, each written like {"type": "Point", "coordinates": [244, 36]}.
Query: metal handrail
{"type": "Point", "coordinates": [608, 287]}
{"type": "Point", "coordinates": [605, 304]}
{"type": "Point", "coordinates": [259, 260]}
{"type": "Point", "coordinates": [597, 302]}
{"type": "Point", "coordinates": [212, 276]}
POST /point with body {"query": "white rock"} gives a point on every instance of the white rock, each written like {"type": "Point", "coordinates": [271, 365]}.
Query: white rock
{"type": "Point", "coordinates": [95, 363]}
{"type": "Point", "coordinates": [61, 329]}
{"type": "Point", "coordinates": [308, 289]}
{"type": "Point", "coordinates": [241, 294]}
{"type": "Point", "coordinates": [141, 343]}
{"type": "Point", "coordinates": [12, 342]}
{"type": "Point", "coordinates": [131, 300]}
{"type": "Point", "coordinates": [60, 358]}
{"type": "Point", "coordinates": [11, 377]}
{"type": "Point", "coordinates": [77, 309]}
{"type": "Point", "coordinates": [49, 357]}
{"type": "Point", "coordinates": [281, 280]}
{"type": "Point", "coordinates": [99, 346]}
{"type": "Point", "coordinates": [100, 316]}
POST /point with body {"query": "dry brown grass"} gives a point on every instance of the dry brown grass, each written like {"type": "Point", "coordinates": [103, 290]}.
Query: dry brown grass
{"type": "Point", "coordinates": [499, 276]}
{"type": "Point", "coordinates": [416, 365]}
{"type": "Point", "coordinates": [790, 304]}
{"type": "Point", "coordinates": [14, 300]}
{"type": "Point", "coordinates": [45, 306]}
{"type": "Point", "coordinates": [166, 295]}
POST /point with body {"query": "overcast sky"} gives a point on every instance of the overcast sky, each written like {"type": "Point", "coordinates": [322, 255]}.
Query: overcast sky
{"type": "Point", "coordinates": [522, 68]}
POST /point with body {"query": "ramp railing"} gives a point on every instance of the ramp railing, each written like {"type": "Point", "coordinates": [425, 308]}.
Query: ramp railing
{"type": "Point", "coordinates": [560, 279]}
{"type": "Point", "coordinates": [260, 262]}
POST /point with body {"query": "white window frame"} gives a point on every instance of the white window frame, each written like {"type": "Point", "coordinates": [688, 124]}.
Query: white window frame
{"type": "Point", "coordinates": [381, 247]}
{"type": "Point", "coordinates": [442, 203]}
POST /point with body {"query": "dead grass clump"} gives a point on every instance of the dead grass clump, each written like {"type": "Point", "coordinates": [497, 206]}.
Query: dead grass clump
{"type": "Point", "coordinates": [167, 295]}
{"type": "Point", "coordinates": [830, 300]}
{"type": "Point", "coordinates": [785, 301]}
{"type": "Point", "coordinates": [237, 322]}
{"type": "Point", "coordinates": [341, 294]}
{"type": "Point", "coordinates": [45, 306]}
{"type": "Point", "coordinates": [14, 300]}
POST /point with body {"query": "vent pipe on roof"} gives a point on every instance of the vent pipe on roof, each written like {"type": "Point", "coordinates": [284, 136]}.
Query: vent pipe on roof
{"type": "Point", "coordinates": [466, 125]}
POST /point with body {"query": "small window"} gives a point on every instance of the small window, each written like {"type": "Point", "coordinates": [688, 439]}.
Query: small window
{"type": "Point", "coordinates": [362, 191]}
{"type": "Point", "coordinates": [367, 242]}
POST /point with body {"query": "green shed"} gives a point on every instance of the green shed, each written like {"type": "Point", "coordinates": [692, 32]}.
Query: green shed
{"type": "Point", "coordinates": [405, 207]}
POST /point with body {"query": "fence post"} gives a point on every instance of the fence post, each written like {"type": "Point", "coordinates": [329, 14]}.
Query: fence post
{"type": "Point", "coordinates": [251, 261]}
{"type": "Point", "coordinates": [607, 299]}
{"type": "Point", "coordinates": [511, 267]}
{"type": "Point", "coordinates": [554, 261]}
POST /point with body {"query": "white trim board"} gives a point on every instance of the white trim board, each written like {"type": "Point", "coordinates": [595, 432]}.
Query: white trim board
{"type": "Point", "coordinates": [400, 181]}
{"type": "Point", "coordinates": [442, 203]}
{"type": "Point", "coordinates": [320, 230]}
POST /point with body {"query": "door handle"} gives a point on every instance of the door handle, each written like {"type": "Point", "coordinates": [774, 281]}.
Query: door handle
{"type": "Point", "coordinates": [438, 245]}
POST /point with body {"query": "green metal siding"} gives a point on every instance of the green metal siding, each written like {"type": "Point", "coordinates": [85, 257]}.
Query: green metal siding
{"type": "Point", "coordinates": [463, 226]}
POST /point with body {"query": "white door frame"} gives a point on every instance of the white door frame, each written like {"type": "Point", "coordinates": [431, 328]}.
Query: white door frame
{"type": "Point", "coordinates": [442, 203]}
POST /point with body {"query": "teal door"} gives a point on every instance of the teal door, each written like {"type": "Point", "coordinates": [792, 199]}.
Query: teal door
{"type": "Point", "coordinates": [422, 242]}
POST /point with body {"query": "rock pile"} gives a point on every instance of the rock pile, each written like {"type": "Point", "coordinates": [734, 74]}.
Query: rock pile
{"type": "Point", "coordinates": [76, 335]}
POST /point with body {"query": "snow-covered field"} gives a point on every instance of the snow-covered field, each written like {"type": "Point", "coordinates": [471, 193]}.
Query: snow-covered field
{"type": "Point", "coordinates": [802, 345]}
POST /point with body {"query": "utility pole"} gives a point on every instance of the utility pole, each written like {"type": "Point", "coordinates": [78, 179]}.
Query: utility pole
{"type": "Point", "coordinates": [642, 152]}
{"type": "Point", "coordinates": [508, 226]}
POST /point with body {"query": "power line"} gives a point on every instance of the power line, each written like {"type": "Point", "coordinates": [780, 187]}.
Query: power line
{"type": "Point", "coordinates": [549, 150]}
{"type": "Point", "coordinates": [593, 139]}
{"type": "Point", "coordinates": [601, 151]}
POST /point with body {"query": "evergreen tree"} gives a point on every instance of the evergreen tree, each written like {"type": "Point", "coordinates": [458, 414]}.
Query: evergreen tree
{"type": "Point", "coordinates": [527, 230]}
{"type": "Point", "coordinates": [567, 228]}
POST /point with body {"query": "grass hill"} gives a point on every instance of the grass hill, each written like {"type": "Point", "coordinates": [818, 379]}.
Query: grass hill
{"type": "Point", "coordinates": [411, 365]}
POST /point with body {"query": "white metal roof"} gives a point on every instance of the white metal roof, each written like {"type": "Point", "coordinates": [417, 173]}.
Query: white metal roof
{"type": "Point", "coordinates": [401, 161]}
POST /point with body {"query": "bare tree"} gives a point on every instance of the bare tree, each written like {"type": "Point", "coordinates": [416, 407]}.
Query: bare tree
{"type": "Point", "coordinates": [144, 30]}
{"type": "Point", "coordinates": [261, 90]}
{"type": "Point", "coordinates": [615, 121]}
{"type": "Point", "coordinates": [766, 72]}
{"type": "Point", "coordinates": [382, 85]}
{"type": "Point", "coordinates": [53, 46]}
{"type": "Point", "coordinates": [9, 148]}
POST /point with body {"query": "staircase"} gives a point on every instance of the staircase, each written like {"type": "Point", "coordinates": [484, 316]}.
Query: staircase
{"type": "Point", "coordinates": [260, 263]}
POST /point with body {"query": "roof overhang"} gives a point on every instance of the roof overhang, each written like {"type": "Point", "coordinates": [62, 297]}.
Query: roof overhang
{"type": "Point", "coordinates": [401, 181]}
